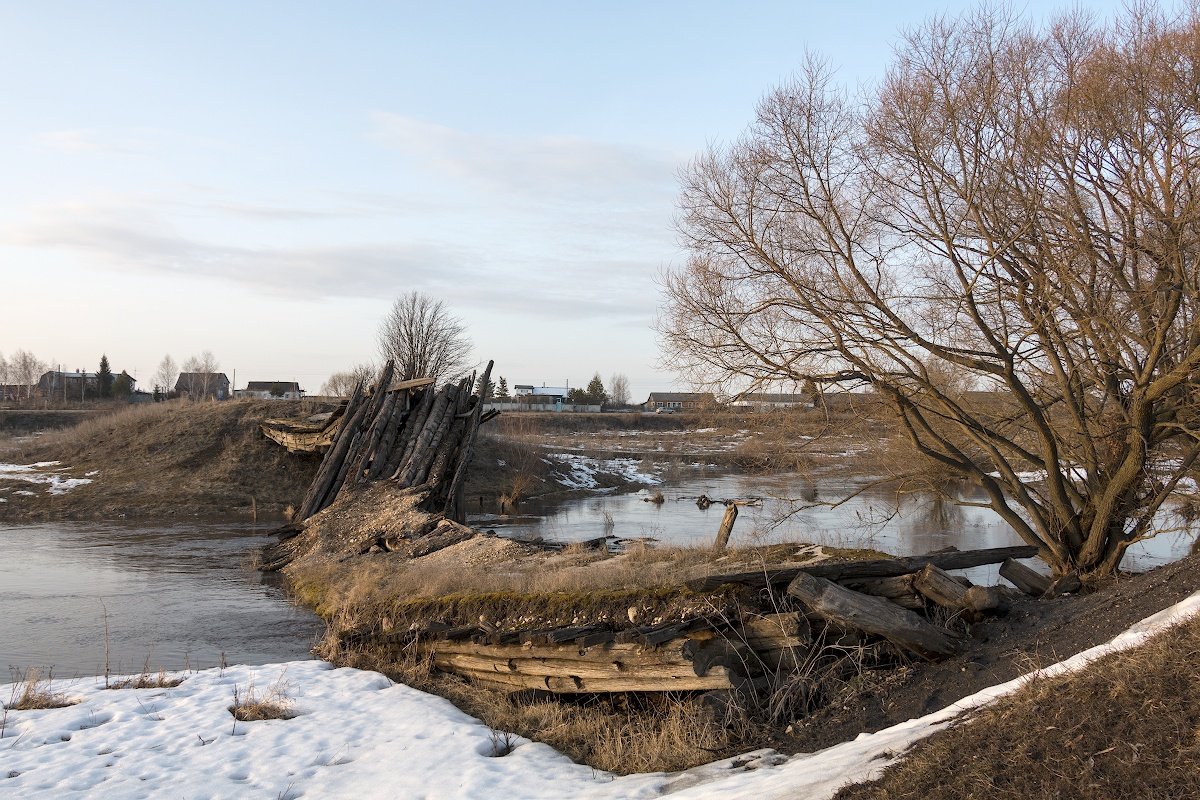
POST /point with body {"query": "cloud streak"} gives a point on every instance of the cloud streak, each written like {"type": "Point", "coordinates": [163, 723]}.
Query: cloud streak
{"type": "Point", "coordinates": [540, 169]}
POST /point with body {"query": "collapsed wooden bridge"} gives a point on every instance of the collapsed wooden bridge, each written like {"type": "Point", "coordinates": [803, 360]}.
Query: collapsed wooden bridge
{"type": "Point", "coordinates": [411, 433]}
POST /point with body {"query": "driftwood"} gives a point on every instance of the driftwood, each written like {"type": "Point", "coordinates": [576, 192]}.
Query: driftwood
{"type": "Point", "coordinates": [880, 568]}
{"type": "Point", "coordinates": [939, 587]}
{"type": "Point", "coordinates": [873, 615]}
{"type": "Point", "coordinates": [899, 589]}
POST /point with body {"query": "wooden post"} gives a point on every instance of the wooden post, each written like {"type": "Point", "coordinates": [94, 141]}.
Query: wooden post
{"type": "Point", "coordinates": [726, 527]}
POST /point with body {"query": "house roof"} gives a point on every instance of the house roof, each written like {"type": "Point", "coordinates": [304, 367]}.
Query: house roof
{"type": "Point", "coordinates": [266, 386]}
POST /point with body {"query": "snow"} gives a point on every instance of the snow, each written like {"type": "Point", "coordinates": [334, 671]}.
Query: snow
{"type": "Point", "coordinates": [358, 735]}
{"type": "Point", "coordinates": [40, 473]}
{"type": "Point", "coordinates": [582, 470]}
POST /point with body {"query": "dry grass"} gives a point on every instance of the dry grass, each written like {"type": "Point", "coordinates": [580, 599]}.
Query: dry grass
{"type": "Point", "coordinates": [1127, 726]}
{"type": "Point", "coordinates": [174, 458]}
{"type": "Point", "coordinates": [249, 705]}
{"type": "Point", "coordinates": [147, 680]}
{"type": "Point", "coordinates": [31, 691]}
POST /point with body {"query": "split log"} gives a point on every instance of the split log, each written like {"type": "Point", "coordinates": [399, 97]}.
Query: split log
{"type": "Point", "coordinates": [387, 442]}
{"type": "Point", "coordinates": [726, 528]}
{"type": "Point", "coordinates": [429, 450]}
{"type": "Point", "coordinates": [421, 442]}
{"type": "Point", "coordinates": [1024, 578]}
{"type": "Point", "coordinates": [872, 615]}
{"type": "Point", "coordinates": [379, 424]}
{"type": "Point", "coordinates": [878, 568]}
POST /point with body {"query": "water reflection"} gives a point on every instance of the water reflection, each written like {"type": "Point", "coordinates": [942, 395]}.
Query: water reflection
{"type": "Point", "coordinates": [797, 508]}
{"type": "Point", "coordinates": [177, 595]}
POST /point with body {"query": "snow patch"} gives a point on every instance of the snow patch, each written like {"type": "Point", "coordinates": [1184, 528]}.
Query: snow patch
{"type": "Point", "coordinates": [55, 481]}
{"type": "Point", "coordinates": [182, 742]}
{"type": "Point", "coordinates": [581, 471]}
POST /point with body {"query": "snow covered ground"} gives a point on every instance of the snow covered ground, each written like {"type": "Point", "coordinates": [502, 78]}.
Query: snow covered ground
{"type": "Point", "coordinates": [358, 735]}
{"type": "Point", "coordinates": [46, 473]}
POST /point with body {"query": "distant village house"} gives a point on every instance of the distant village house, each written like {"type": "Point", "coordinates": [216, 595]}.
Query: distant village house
{"type": "Point", "coordinates": [270, 390]}
{"type": "Point", "coordinates": [766, 401]}
{"type": "Point", "coordinates": [75, 385]}
{"type": "Point", "coordinates": [679, 401]}
{"type": "Point", "coordinates": [202, 385]}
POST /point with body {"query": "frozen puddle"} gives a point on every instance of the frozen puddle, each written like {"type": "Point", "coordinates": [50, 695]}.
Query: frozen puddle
{"type": "Point", "coordinates": [358, 735]}
{"type": "Point", "coordinates": [581, 471]}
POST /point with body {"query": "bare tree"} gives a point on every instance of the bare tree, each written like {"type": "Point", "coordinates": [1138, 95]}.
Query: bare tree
{"type": "Point", "coordinates": [201, 372]}
{"type": "Point", "coordinates": [341, 384]}
{"type": "Point", "coordinates": [26, 370]}
{"type": "Point", "coordinates": [424, 339]}
{"type": "Point", "coordinates": [1013, 205]}
{"type": "Point", "coordinates": [5, 377]}
{"type": "Point", "coordinates": [166, 374]}
{"type": "Point", "coordinates": [618, 389]}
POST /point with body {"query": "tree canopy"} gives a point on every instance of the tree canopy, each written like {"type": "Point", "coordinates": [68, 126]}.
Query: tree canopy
{"type": "Point", "coordinates": [1000, 239]}
{"type": "Point", "coordinates": [424, 339]}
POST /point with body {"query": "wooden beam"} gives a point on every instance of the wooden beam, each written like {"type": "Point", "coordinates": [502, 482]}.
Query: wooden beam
{"type": "Point", "coordinates": [875, 568]}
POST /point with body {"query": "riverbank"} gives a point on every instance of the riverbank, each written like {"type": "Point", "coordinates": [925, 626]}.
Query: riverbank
{"type": "Point", "coordinates": [354, 733]}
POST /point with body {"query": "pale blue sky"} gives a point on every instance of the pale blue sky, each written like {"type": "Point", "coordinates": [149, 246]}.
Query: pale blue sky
{"type": "Point", "coordinates": [262, 179]}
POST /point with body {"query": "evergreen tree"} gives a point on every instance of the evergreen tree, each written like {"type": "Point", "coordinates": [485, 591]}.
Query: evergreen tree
{"type": "Point", "coordinates": [595, 391]}
{"type": "Point", "coordinates": [104, 377]}
{"type": "Point", "coordinates": [502, 389]}
{"type": "Point", "coordinates": [122, 385]}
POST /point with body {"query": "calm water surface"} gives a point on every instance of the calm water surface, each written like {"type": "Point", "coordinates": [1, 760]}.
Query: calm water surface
{"type": "Point", "coordinates": [791, 511]}
{"type": "Point", "coordinates": [177, 595]}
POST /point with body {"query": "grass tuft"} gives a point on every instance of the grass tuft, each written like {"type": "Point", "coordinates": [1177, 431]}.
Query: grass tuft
{"type": "Point", "coordinates": [32, 692]}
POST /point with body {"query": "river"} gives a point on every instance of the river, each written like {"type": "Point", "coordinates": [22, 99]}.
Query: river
{"type": "Point", "coordinates": [794, 508]}
{"type": "Point", "coordinates": [171, 596]}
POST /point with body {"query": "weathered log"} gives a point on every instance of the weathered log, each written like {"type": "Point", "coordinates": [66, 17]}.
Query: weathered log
{"type": "Point", "coordinates": [985, 599]}
{"type": "Point", "coordinates": [726, 528]}
{"type": "Point", "coordinates": [1063, 584]}
{"type": "Point", "coordinates": [872, 615]}
{"type": "Point", "coordinates": [880, 568]}
{"type": "Point", "coordinates": [775, 631]}
{"type": "Point", "coordinates": [331, 466]}
{"type": "Point", "coordinates": [1024, 578]}
{"type": "Point", "coordinates": [412, 432]}
{"type": "Point", "coordinates": [940, 587]}
{"type": "Point", "coordinates": [374, 436]}
{"type": "Point", "coordinates": [430, 450]}
{"type": "Point", "coordinates": [453, 507]}
{"type": "Point", "coordinates": [391, 432]}
{"type": "Point", "coordinates": [421, 443]}
{"type": "Point", "coordinates": [899, 589]}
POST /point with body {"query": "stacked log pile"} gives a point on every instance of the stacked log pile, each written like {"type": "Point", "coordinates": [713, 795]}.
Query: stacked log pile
{"type": "Point", "coordinates": [410, 432]}
{"type": "Point", "coordinates": [885, 603]}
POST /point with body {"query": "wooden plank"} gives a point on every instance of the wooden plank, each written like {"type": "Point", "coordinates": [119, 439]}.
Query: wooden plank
{"type": "Point", "coordinates": [875, 568]}
{"type": "Point", "coordinates": [873, 615]}
{"type": "Point", "coordinates": [412, 383]}
{"type": "Point", "coordinates": [716, 679]}
{"type": "Point", "coordinates": [1024, 578]}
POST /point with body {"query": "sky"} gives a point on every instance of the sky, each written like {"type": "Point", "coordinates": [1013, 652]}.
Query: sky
{"type": "Point", "coordinates": [262, 179]}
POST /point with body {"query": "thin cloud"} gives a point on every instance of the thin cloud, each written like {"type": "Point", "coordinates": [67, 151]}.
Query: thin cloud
{"type": "Point", "coordinates": [544, 169]}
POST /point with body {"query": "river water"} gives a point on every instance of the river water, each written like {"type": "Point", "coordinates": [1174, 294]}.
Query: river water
{"type": "Point", "coordinates": [794, 508]}
{"type": "Point", "coordinates": [172, 597]}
